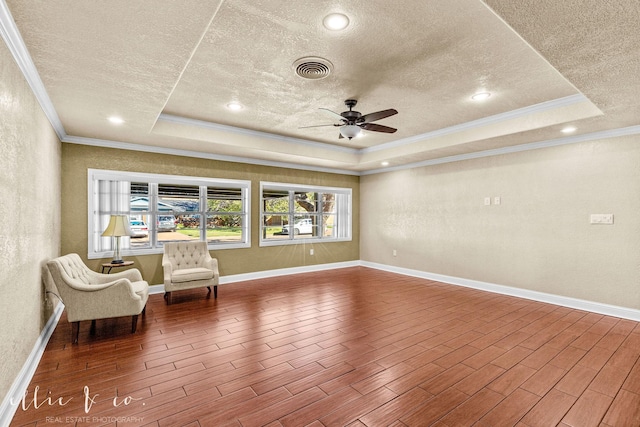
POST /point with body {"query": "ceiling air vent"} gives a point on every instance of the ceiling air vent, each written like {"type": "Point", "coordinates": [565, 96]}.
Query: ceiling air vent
{"type": "Point", "coordinates": [312, 68]}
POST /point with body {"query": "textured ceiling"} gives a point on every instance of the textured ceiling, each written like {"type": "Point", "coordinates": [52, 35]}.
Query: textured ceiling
{"type": "Point", "coordinates": [169, 69]}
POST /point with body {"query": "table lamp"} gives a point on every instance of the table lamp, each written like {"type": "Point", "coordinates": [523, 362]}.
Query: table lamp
{"type": "Point", "coordinates": [118, 227]}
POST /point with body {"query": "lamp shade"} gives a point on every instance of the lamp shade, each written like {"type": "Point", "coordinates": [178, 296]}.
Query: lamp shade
{"type": "Point", "coordinates": [349, 131]}
{"type": "Point", "coordinates": [118, 226]}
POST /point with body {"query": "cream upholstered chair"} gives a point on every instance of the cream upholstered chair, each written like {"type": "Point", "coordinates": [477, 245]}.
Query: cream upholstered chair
{"type": "Point", "coordinates": [188, 265]}
{"type": "Point", "coordinates": [88, 295]}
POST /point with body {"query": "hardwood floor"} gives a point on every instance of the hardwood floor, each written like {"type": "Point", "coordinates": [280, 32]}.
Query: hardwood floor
{"type": "Point", "coordinates": [349, 347]}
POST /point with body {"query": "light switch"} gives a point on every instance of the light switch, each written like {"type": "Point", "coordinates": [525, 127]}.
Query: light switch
{"type": "Point", "coordinates": [606, 219]}
{"type": "Point", "coordinates": [496, 200]}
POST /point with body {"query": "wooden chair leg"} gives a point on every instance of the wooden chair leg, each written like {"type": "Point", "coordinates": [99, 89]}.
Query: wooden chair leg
{"type": "Point", "coordinates": [167, 297]}
{"type": "Point", "coordinates": [92, 331]}
{"type": "Point", "coordinates": [144, 310]}
{"type": "Point", "coordinates": [75, 331]}
{"type": "Point", "coordinates": [215, 291]}
{"type": "Point", "coordinates": [134, 323]}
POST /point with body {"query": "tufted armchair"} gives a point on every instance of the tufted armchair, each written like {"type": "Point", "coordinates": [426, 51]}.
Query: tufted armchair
{"type": "Point", "coordinates": [88, 295]}
{"type": "Point", "coordinates": [188, 265]}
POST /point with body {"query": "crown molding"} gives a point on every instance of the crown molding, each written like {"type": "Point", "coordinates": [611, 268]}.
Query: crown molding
{"type": "Point", "coordinates": [197, 154]}
{"type": "Point", "coordinates": [253, 133]}
{"type": "Point", "coordinates": [485, 121]}
{"type": "Point", "coordinates": [18, 49]}
{"type": "Point", "coordinates": [474, 124]}
{"type": "Point", "coordinates": [612, 133]}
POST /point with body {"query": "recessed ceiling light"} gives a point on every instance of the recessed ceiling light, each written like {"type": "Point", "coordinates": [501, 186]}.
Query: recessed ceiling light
{"type": "Point", "coordinates": [569, 129]}
{"type": "Point", "coordinates": [116, 120]}
{"type": "Point", "coordinates": [235, 106]}
{"type": "Point", "coordinates": [385, 163]}
{"type": "Point", "coordinates": [335, 21]}
{"type": "Point", "coordinates": [481, 96]}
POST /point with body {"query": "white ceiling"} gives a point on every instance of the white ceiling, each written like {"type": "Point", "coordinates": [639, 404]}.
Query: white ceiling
{"type": "Point", "coordinates": [169, 68]}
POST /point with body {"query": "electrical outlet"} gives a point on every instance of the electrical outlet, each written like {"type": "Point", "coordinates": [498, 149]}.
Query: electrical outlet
{"type": "Point", "coordinates": [487, 201]}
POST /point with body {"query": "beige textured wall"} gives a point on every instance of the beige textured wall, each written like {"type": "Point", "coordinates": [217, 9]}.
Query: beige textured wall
{"type": "Point", "coordinates": [77, 159]}
{"type": "Point", "coordinates": [539, 237]}
{"type": "Point", "coordinates": [30, 231]}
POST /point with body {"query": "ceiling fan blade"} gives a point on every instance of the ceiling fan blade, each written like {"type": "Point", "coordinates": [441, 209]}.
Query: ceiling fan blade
{"type": "Point", "coordinates": [318, 126]}
{"type": "Point", "coordinates": [332, 114]}
{"type": "Point", "coordinates": [372, 117]}
{"type": "Point", "coordinates": [378, 128]}
{"type": "Point", "coordinates": [340, 136]}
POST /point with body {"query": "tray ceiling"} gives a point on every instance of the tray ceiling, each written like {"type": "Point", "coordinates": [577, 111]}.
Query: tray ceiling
{"type": "Point", "coordinates": [169, 69]}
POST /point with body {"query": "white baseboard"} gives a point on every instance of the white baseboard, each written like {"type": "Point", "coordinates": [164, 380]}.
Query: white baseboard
{"type": "Point", "coordinates": [14, 397]}
{"type": "Point", "coordinates": [579, 304]}
{"type": "Point", "coordinates": [156, 289]}
{"type": "Point", "coordinates": [234, 278]}
{"type": "Point", "coordinates": [286, 271]}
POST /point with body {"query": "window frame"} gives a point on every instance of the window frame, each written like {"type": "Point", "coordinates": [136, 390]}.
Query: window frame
{"type": "Point", "coordinates": [94, 176]}
{"type": "Point", "coordinates": [343, 213]}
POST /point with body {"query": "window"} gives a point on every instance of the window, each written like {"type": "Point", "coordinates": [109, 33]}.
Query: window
{"type": "Point", "coordinates": [293, 214]}
{"type": "Point", "coordinates": [164, 208]}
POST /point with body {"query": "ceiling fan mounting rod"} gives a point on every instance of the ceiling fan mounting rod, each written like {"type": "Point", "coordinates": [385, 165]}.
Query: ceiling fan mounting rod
{"type": "Point", "coordinates": [351, 116]}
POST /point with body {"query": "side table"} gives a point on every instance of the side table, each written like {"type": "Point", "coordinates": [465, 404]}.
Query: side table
{"type": "Point", "coordinates": [110, 265]}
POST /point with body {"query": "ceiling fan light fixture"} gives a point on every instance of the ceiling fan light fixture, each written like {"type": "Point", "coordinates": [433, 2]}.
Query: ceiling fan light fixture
{"type": "Point", "coordinates": [335, 21]}
{"type": "Point", "coordinates": [349, 131]}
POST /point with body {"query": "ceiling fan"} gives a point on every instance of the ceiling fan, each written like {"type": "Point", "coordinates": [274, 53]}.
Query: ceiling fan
{"type": "Point", "coordinates": [351, 122]}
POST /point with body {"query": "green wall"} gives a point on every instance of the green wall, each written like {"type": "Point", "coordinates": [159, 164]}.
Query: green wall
{"type": "Point", "coordinates": [30, 231]}
{"type": "Point", "coordinates": [77, 159]}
